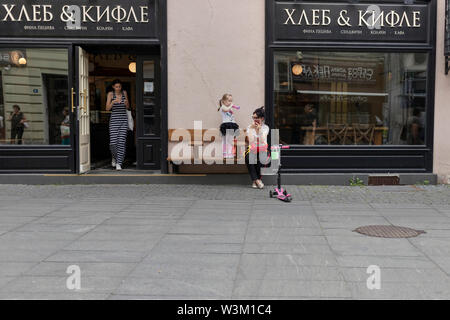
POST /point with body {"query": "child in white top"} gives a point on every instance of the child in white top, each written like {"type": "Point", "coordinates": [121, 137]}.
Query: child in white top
{"type": "Point", "coordinates": [227, 110]}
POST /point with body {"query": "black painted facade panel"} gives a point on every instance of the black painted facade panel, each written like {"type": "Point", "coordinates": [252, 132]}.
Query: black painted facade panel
{"type": "Point", "coordinates": [334, 162]}
{"type": "Point", "coordinates": [36, 160]}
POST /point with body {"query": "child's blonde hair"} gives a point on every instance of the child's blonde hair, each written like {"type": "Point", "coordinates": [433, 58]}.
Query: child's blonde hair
{"type": "Point", "coordinates": [225, 96]}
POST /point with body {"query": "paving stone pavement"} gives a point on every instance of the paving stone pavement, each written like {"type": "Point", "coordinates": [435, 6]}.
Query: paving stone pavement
{"type": "Point", "coordinates": [221, 242]}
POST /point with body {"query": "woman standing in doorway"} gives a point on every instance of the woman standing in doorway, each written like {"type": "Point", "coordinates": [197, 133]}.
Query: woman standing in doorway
{"type": "Point", "coordinates": [118, 123]}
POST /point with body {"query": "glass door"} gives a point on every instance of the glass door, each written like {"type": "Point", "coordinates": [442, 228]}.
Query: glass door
{"type": "Point", "coordinates": [84, 137]}
{"type": "Point", "coordinates": [148, 103]}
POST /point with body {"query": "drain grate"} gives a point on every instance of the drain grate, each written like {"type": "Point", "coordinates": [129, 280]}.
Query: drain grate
{"type": "Point", "coordinates": [384, 180]}
{"type": "Point", "coordinates": [389, 232]}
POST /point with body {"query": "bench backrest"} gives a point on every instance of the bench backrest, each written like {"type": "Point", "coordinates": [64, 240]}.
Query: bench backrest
{"type": "Point", "coordinates": [195, 136]}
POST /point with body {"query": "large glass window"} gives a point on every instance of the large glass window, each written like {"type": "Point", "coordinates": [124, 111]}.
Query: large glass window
{"type": "Point", "coordinates": [350, 98]}
{"type": "Point", "coordinates": [34, 106]}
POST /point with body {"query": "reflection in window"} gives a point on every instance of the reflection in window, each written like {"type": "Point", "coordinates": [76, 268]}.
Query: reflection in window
{"type": "Point", "coordinates": [34, 96]}
{"type": "Point", "coordinates": [348, 98]}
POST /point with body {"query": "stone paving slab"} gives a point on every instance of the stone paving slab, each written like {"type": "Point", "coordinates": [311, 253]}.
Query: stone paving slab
{"type": "Point", "coordinates": [291, 288]}
{"type": "Point", "coordinates": [56, 284]}
{"type": "Point", "coordinates": [286, 248]}
{"type": "Point", "coordinates": [182, 271]}
{"type": "Point", "coordinates": [73, 257]}
{"type": "Point", "coordinates": [372, 246]}
{"type": "Point", "coordinates": [90, 269]}
{"type": "Point", "coordinates": [347, 262]}
{"type": "Point", "coordinates": [221, 242]}
{"type": "Point", "coordinates": [112, 245]}
{"type": "Point", "coordinates": [399, 290]}
{"type": "Point", "coordinates": [289, 260]}
{"type": "Point", "coordinates": [192, 259]}
{"type": "Point", "coordinates": [397, 275]}
{"type": "Point", "coordinates": [255, 271]}
{"type": "Point", "coordinates": [14, 255]}
{"type": "Point", "coordinates": [269, 231]}
{"type": "Point", "coordinates": [218, 288]}
{"type": "Point", "coordinates": [14, 269]}
{"type": "Point", "coordinates": [53, 296]}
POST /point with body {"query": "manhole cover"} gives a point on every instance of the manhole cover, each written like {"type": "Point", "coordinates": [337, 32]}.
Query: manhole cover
{"type": "Point", "coordinates": [389, 232]}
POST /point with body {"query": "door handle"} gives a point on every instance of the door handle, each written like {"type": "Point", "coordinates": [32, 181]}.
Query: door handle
{"type": "Point", "coordinates": [81, 101]}
{"type": "Point", "coordinates": [85, 100]}
{"type": "Point", "coordinates": [73, 102]}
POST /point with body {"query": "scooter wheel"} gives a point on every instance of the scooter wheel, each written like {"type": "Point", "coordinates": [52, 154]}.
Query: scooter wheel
{"type": "Point", "coordinates": [271, 193]}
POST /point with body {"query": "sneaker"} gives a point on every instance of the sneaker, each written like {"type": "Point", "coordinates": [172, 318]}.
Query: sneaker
{"type": "Point", "coordinates": [260, 184]}
{"type": "Point", "coordinates": [113, 163]}
{"type": "Point", "coordinates": [254, 186]}
{"type": "Point", "coordinates": [118, 167]}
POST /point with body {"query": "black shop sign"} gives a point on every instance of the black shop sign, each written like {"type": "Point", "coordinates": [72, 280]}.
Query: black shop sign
{"type": "Point", "coordinates": [78, 18]}
{"type": "Point", "coordinates": [350, 22]}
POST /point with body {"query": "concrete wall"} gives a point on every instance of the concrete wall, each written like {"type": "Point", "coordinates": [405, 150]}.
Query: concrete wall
{"type": "Point", "coordinates": [442, 107]}
{"type": "Point", "coordinates": [214, 47]}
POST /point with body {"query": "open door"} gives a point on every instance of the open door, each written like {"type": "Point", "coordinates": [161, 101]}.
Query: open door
{"type": "Point", "coordinates": [84, 147]}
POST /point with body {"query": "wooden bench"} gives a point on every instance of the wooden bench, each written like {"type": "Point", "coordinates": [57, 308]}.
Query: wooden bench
{"type": "Point", "coordinates": [197, 141]}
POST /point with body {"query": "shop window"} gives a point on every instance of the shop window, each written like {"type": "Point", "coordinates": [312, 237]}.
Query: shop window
{"type": "Point", "coordinates": [2, 113]}
{"type": "Point", "coordinates": [151, 112]}
{"type": "Point", "coordinates": [34, 96]}
{"type": "Point", "coordinates": [350, 98]}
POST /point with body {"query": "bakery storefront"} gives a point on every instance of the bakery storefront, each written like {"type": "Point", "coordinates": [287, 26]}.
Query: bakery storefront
{"type": "Point", "coordinates": [58, 60]}
{"type": "Point", "coordinates": [351, 84]}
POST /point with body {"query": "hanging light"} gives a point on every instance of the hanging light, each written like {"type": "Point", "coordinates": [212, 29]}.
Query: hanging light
{"type": "Point", "coordinates": [297, 69]}
{"type": "Point", "coordinates": [132, 67]}
{"type": "Point", "coordinates": [22, 61]}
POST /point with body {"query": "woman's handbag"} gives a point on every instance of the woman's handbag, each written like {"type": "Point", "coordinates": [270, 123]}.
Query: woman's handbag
{"type": "Point", "coordinates": [26, 124]}
{"type": "Point", "coordinates": [130, 121]}
{"type": "Point", "coordinates": [65, 131]}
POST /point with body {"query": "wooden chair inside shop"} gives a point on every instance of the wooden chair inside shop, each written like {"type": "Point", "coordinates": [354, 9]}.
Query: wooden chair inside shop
{"type": "Point", "coordinates": [363, 133]}
{"type": "Point", "coordinates": [337, 133]}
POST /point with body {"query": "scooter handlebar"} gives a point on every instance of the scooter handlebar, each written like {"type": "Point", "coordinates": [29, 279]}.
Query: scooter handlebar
{"type": "Point", "coordinates": [280, 147]}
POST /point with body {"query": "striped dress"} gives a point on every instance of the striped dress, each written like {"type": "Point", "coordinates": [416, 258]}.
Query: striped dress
{"type": "Point", "coordinates": [118, 127]}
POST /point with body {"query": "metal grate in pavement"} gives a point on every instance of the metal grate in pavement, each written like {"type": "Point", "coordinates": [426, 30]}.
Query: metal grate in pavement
{"type": "Point", "coordinates": [389, 231]}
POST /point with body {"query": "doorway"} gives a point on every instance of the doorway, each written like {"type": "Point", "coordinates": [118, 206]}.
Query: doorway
{"type": "Point", "coordinates": [139, 73]}
{"type": "Point", "coordinates": [103, 70]}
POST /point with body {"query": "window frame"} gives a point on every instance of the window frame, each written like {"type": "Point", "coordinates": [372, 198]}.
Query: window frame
{"type": "Point", "coordinates": [377, 50]}
{"type": "Point", "coordinates": [70, 77]}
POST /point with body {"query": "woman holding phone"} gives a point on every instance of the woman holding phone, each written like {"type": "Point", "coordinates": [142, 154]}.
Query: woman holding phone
{"type": "Point", "coordinates": [118, 124]}
{"type": "Point", "coordinates": [257, 137]}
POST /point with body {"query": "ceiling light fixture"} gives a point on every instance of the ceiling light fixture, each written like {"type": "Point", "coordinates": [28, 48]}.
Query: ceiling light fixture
{"type": "Point", "coordinates": [297, 69]}
{"type": "Point", "coordinates": [132, 67]}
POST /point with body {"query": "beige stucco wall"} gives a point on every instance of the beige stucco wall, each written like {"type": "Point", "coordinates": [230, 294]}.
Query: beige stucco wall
{"type": "Point", "coordinates": [442, 106]}
{"type": "Point", "coordinates": [214, 47]}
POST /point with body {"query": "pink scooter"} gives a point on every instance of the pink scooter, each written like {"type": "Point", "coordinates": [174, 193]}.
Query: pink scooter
{"type": "Point", "coordinates": [279, 192]}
